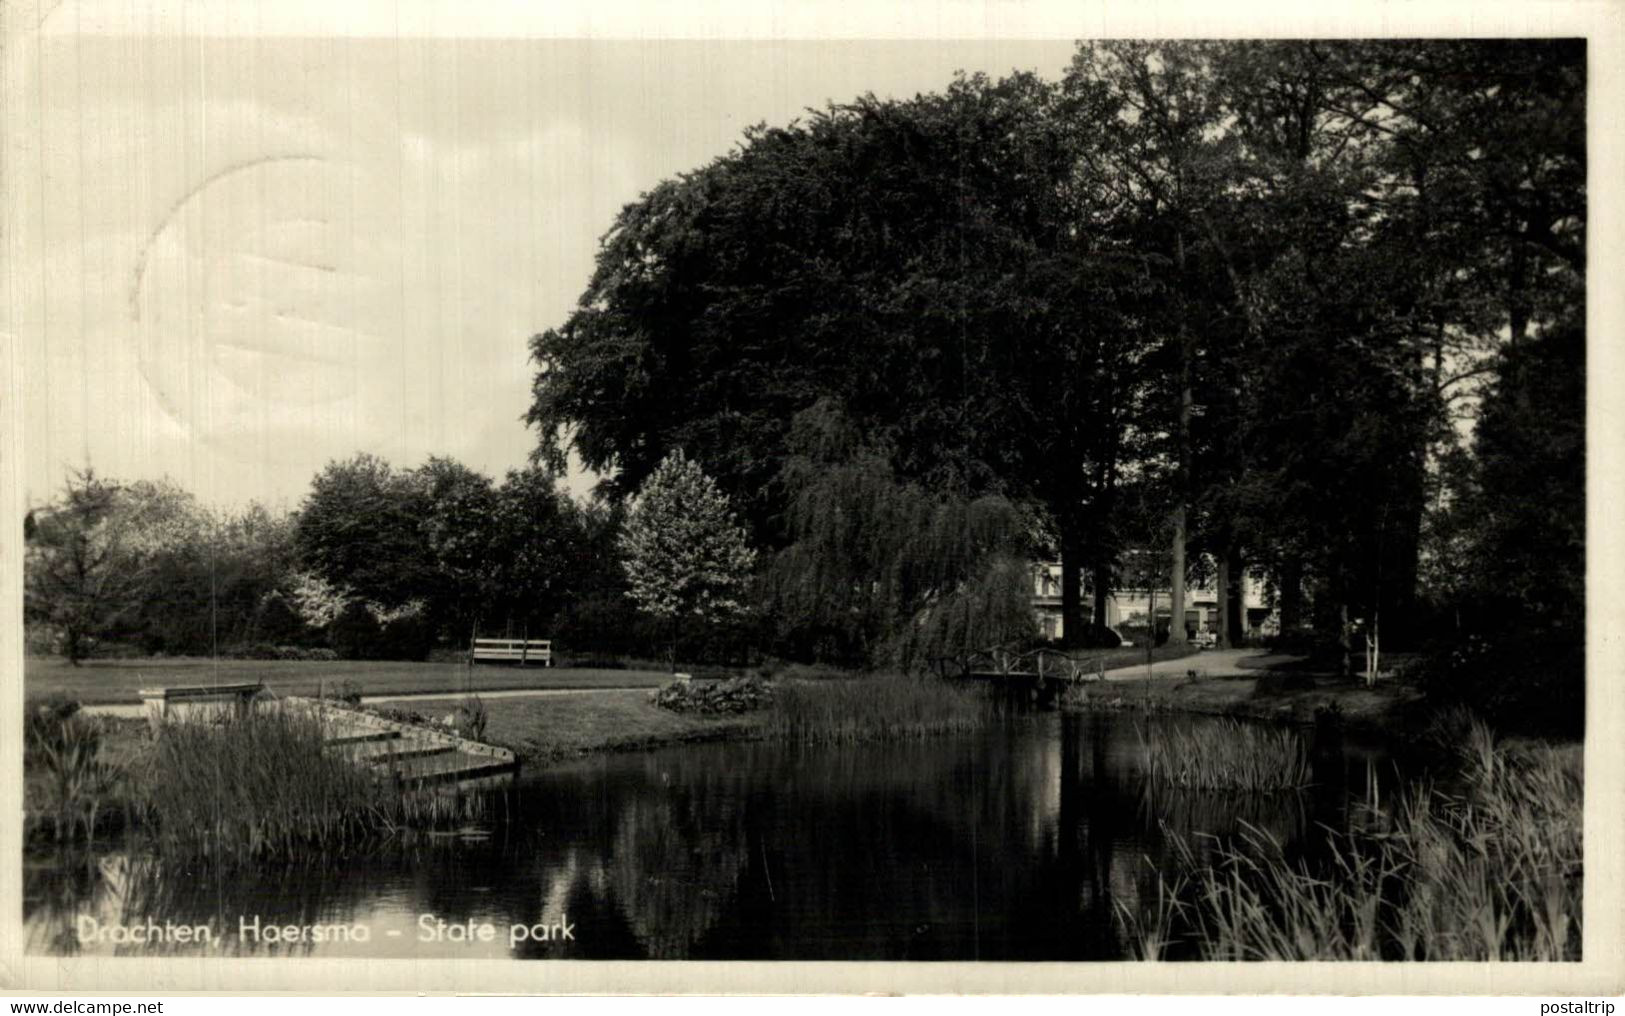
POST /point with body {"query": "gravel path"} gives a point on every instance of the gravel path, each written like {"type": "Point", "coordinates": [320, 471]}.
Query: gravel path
{"type": "Point", "coordinates": [1208, 662]}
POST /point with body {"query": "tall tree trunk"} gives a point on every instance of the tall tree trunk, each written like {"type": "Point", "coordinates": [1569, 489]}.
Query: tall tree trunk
{"type": "Point", "coordinates": [1151, 622]}
{"type": "Point", "coordinates": [1291, 581]}
{"type": "Point", "coordinates": [1345, 637]}
{"type": "Point", "coordinates": [1105, 500]}
{"type": "Point", "coordinates": [1235, 601]}
{"type": "Point", "coordinates": [1176, 581]}
{"type": "Point", "coordinates": [1176, 576]}
{"type": "Point", "coordinates": [1401, 554]}
{"type": "Point", "coordinates": [1073, 624]}
{"type": "Point", "coordinates": [1103, 579]}
{"type": "Point", "coordinates": [1518, 303]}
{"type": "Point", "coordinates": [1221, 603]}
{"type": "Point", "coordinates": [1400, 601]}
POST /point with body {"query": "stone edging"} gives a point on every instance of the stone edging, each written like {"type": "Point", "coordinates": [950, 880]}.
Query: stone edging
{"type": "Point", "coordinates": [363, 719]}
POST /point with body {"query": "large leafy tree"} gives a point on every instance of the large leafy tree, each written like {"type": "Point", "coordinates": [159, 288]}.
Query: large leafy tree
{"type": "Point", "coordinates": [1478, 151]}
{"type": "Point", "coordinates": [536, 554]}
{"type": "Point", "coordinates": [1264, 277]}
{"type": "Point", "coordinates": [1526, 505]}
{"type": "Point", "coordinates": [475, 553]}
{"type": "Point", "coordinates": [1509, 542]}
{"type": "Point", "coordinates": [1346, 227]}
{"type": "Point", "coordinates": [883, 571]}
{"type": "Point", "coordinates": [932, 265]}
{"type": "Point", "coordinates": [218, 589]}
{"type": "Point", "coordinates": [93, 555]}
{"type": "Point", "coordinates": [687, 559]}
{"type": "Point", "coordinates": [1168, 170]}
{"type": "Point", "coordinates": [359, 528]}
{"type": "Point", "coordinates": [461, 509]}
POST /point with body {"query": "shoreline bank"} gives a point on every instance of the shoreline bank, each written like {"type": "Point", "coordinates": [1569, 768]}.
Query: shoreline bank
{"type": "Point", "coordinates": [1256, 695]}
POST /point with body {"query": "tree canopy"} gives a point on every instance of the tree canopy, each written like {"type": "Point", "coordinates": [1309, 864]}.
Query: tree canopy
{"type": "Point", "coordinates": [1263, 278]}
{"type": "Point", "coordinates": [93, 555]}
{"type": "Point", "coordinates": [685, 556]}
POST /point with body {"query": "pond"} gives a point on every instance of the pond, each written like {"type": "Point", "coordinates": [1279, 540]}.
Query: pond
{"type": "Point", "coordinates": [1014, 843]}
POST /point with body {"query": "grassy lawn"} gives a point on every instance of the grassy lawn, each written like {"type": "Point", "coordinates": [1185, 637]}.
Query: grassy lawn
{"type": "Point", "coordinates": [1292, 698]}
{"type": "Point", "coordinates": [564, 726]}
{"type": "Point", "coordinates": [112, 681]}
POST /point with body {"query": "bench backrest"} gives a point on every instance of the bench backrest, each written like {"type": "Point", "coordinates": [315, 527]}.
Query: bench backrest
{"type": "Point", "coordinates": [540, 650]}
{"type": "Point", "coordinates": [207, 703]}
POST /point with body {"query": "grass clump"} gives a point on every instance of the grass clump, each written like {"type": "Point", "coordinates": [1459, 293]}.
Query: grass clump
{"type": "Point", "coordinates": [880, 706]}
{"type": "Point", "coordinates": [264, 787]}
{"type": "Point", "coordinates": [72, 789]}
{"type": "Point", "coordinates": [1225, 755]}
{"type": "Point", "coordinates": [1489, 868]}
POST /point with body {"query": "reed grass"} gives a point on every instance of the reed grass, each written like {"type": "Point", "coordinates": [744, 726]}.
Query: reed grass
{"type": "Point", "coordinates": [79, 790]}
{"type": "Point", "coordinates": [1488, 867]}
{"type": "Point", "coordinates": [263, 786]}
{"type": "Point", "coordinates": [1224, 755]}
{"type": "Point", "coordinates": [880, 706]}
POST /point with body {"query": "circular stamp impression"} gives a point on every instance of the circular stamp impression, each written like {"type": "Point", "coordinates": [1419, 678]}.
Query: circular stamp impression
{"type": "Point", "coordinates": [257, 297]}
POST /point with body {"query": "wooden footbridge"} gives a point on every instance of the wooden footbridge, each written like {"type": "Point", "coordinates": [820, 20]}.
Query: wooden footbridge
{"type": "Point", "coordinates": [1038, 675]}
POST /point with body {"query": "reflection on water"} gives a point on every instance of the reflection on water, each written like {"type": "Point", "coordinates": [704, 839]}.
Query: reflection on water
{"type": "Point", "coordinates": [1012, 844]}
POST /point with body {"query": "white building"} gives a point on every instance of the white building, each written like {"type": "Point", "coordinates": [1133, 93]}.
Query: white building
{"type": "Point", "coordinates": [1131, 607]}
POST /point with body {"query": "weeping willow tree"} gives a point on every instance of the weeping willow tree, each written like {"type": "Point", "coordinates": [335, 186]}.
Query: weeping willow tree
{"type": "Point", "coordinates": [883, 571]}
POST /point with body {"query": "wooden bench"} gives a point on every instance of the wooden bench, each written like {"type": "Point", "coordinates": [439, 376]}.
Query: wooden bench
{"type": "Point", "coordinates": [520, 651]}
{"type": "Point", "coordinates": [200, 702]}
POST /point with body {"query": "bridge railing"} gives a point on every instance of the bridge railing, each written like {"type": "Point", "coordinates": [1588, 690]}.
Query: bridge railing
{"type": "Point", "coordinates": [1005, 660]}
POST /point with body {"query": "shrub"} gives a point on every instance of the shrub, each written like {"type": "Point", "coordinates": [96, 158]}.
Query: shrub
{"type": "Point", "coordinates": [1305, 641]}
{"type": "Point", "coordinates": [1522, 682]}
{"type": "Point", "coordinates": [1098, 636]}
{"type": "Point", "coordinates": [1139, 634]}
{"type": "Point", "coordinates": [354, 635]}
{"type": "Point", "coordinates": [472, 718]}
{"type": "Point", "coordinates": [306, 653]}
{"type": "Point", "coordinates": [275, 620]}
{"type": "Point", "coordinates": [737, 695]}
{"type": "Point", "coordinates": [409, 637]}
{"type": "Point", "coordinates": [267, 651]}
{"type": "Point", "coordinates": [603, 625]}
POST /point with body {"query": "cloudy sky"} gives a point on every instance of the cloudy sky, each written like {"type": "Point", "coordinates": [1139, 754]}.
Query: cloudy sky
{"type": "Point", "coordinates": [261, 253]}
{"type": "Point", "coordinates": [244, 238]}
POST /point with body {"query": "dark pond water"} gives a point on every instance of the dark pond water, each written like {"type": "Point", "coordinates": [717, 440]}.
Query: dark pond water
{"type": "Point", "coordinates": [1011, 844]}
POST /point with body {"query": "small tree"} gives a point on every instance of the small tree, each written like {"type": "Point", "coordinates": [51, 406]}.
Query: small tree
{"type": "Point", "coordinates": [685, 555]}
{"type": "Point", "coordinates": [92, 554]}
